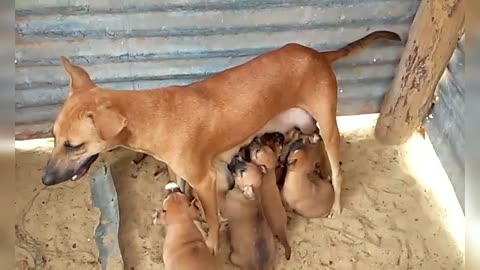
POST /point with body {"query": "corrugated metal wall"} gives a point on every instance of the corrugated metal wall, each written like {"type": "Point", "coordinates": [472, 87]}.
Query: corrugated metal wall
{"type": "Point", "coordinates": [445, 124]}
{"type": "Point", "coordinates": [128, 44]}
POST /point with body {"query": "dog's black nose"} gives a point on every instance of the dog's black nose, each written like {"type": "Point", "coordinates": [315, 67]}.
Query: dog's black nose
{"type": "Point", "coordinates": [49, 179]}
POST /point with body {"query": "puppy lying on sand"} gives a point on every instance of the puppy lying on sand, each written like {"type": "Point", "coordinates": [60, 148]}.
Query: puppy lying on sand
{"type": "Point", "coordinates": [305, 196]}
{"type": "Point", "coordinates": [184, 247]}
{"type": "Point", "coordinates": [250, 236]}
{"type": "Point", "coordinates": [263, 155]}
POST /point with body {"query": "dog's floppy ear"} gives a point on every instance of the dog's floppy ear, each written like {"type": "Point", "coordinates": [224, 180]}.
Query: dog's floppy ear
{"type": "Point", "coordinates": [79, 78]}
{"type": "Point", "coordinates": [107, 121]}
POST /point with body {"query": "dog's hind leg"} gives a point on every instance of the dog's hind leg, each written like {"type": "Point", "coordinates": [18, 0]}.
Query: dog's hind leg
{"type": "Point", "coordinates": [322, 104]}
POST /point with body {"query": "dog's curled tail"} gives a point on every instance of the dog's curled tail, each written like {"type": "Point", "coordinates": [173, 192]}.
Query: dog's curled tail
{"type": "Point", "coordinates": [360, 44]}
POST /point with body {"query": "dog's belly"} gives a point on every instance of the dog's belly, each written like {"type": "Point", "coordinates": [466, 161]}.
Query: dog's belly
{"type": "Point", "coordinates": [283, 122]}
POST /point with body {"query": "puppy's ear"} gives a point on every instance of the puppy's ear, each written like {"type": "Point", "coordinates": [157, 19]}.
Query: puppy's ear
{"type": "Point", "coordinates": [107, 121]}
{"type": "Point", "coordinates": [291, 161]}
{"type": "Point", "coordinates": [263, 169]}
{"type": "Point", "coordinates": [79, 78]}
{"type": "Point", "coordinates": [195, 209]}
{"type": "Point", "coordinates": [163, 219]}
{"type": "Point", "coordinates": [248, 193]}
{"type": "Point", "coordinates": [315, 138]}
{"type": "Point", "coordinates": [194, 212]}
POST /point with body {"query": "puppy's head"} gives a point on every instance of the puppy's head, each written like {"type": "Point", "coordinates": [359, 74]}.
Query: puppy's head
{"type": "Point", "coordinates": [248, 177]}
{"type": "Point", "coordinates": [275, 140]}
{"type": "Point", "coordinates": [298, 157]}
{"type": "Point", "coordinates": [86, 125]}
{"type": "Point", "coordinates": [262, 154]}
{"type": "Point", "coordinates": [175, 205]}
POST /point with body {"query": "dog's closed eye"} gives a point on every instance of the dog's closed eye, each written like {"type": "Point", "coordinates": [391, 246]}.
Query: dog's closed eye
{"type": "Point", "coordinates": [69, 147]}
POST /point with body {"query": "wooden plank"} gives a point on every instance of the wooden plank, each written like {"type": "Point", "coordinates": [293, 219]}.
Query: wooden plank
{"type": "Point", "coordinates": [433, 37]}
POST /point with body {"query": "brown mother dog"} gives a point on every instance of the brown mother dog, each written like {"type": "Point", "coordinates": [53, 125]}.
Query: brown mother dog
{"type": "Point", "coordinates": [196, 129]}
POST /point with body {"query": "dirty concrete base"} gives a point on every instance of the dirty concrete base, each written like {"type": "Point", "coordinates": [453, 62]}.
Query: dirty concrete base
{"type": "Point", "coordinates": [392, 217]}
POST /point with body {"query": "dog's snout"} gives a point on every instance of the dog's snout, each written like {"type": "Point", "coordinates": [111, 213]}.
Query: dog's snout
{"type": "Point", "coordinates": [53, 175]}
{"type": "Point", "coordinates": [49, 179]}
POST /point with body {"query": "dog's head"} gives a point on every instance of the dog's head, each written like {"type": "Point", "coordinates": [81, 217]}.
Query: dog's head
{"type": "Point", "coordinates": [297, 155]}
{"type": "Point", "coordinates": [275, 140]}
{"type": "Point", "coordinates": [176, 206]}
{"type": "Point", "coordinates": [263, 154]}
{"type": "Point", "coordinates": [248, 177]}
{"type": "Point", "coordinates": [85, 126]}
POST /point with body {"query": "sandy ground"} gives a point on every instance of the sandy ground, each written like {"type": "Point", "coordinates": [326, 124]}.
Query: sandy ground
{"type": "Point", "coordinates": [400, 212]}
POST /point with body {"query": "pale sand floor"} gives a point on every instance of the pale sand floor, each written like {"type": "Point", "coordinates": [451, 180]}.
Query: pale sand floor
{"type": "Point", "coordinates": [400, 212]}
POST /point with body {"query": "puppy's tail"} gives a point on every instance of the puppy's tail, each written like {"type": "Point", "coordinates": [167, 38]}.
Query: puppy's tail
{"type": "Point", "coordinates": [360, 44]}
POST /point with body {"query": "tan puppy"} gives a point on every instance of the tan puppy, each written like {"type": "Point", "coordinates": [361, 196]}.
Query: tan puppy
{"type": "Point", "coordinates": [184, 247]}
{"type": "Point", "coordinates": [263, 155]}
{"type": "Point", "coordinates": [301, 193]}
{"type": "Point", "coordinates": [313, 140]}
{"type": "Point", "coordinates": [198, 128]}
{"type": "Point", "coordinates": [250, 236]}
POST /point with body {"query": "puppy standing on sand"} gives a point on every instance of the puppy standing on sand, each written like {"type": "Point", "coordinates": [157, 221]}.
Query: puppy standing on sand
{"type": "Point", "coordinates": [210, 119]}
{"type": "Point", "coordinates": [184, 247]}
{"type": "Point", "coordinates": [307, 197]}
{"type": "Point", "coordinates": [272, 205]}
{"type": "Point", "coordinates": [249, 234]}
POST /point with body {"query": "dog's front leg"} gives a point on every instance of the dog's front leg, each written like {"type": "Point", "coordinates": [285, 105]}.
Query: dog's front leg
{"type": "Point", "coordinates": [206, 191]}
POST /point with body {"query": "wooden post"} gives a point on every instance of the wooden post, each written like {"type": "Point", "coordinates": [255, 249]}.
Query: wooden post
{"type": "Point", "coordinates": [433, 37]}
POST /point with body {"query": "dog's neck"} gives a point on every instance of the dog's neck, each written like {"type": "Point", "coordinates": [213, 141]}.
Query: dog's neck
{"type": "Point", "coordinates": [149, 116]}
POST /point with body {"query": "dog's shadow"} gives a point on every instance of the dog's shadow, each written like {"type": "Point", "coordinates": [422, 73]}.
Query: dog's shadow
{"type": "Point", "coordinates": [140, 193]}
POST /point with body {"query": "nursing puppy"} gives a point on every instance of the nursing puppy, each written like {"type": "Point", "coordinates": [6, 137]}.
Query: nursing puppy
{"type": "Point", "coordinates": [251, 239]}
{"type": "Point", "coordinates": [304, 195]}
{"type": "Point", "coordinates": [313, 140]}
{"type": "Point", "coordinates": [184, 247]}
{"type": "Point", "coordinates": [276, 141]}
{"type": "Point", "coordinates": [263, 155]}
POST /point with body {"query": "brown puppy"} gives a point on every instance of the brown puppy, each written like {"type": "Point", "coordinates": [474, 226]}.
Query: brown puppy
{"type": "Point", "coordinates": [263, 155]}
{"type": "Point", "coordinates": [196, 129]}
{"type": "Point", "coordinates": [184, 247]}
{"type": "Point", "coordinates": [250, 236]}
{"type": "Point", "coordinates": [313, 140]}
{"type": "Point", "coordinates": [301, 193]}
{"type": "Point", "coordinates": [276, 141]}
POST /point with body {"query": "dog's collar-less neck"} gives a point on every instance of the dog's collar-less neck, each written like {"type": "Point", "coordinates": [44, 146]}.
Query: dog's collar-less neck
{"type": "Point", "coordinates": [144, 132]}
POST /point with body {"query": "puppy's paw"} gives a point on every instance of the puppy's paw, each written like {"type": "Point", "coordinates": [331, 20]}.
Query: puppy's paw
{"type": "Point", "coordinates": [155, 217]}
{"type": "Point", "coordinates": [212, 246]}
{"type": "Point", "coordinates": [336, 211]}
